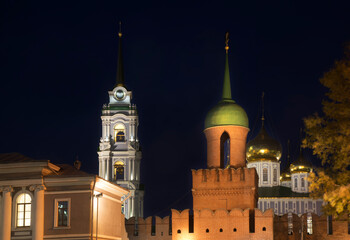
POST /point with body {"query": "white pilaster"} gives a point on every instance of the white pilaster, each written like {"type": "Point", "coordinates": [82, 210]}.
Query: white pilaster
{"type": "Point", "coordinates": [5, 228]}
{"type": "Point", "coordinates": [38, 207]}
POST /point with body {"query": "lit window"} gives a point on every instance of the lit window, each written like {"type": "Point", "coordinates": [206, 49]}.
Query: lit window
{"type": "Point", "coordinates": [309, 223]}
{"type": "Point", "coordinates": [119, 170]}
{"type": "Point", "coordinates": [302, 182]}
{"type": "Point", "coordinates": [290, 223]}
{"type": "Point", "coordinates": [62, 213]}
{"type": "Point", "coordinates": [275, 175]}
{"type": "Point", "coordinates": [24, 206]}
{"type": "Point", "coordinates": [119, 131]}
{"type": "Point", "coordinates": [265, 174]}
{"type": "Point", "coordinates": [224, 150]}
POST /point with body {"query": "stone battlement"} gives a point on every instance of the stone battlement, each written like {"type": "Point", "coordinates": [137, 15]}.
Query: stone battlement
{"type": "Point", "coordinates": [224, 188]}
{"type": "Point", "coordinates": [224, 178]}
{"type": "Point", "coordinates": [223, 224]}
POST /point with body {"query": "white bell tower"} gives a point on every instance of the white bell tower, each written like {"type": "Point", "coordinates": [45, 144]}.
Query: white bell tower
{"type": "Point", "coordinates": [119, 152]}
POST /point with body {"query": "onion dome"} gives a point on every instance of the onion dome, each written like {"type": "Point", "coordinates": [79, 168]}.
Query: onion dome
{"type": "Point", "coordinates": [227, 111]}
{"type": "Point", "coordinates": [285, 177]}
{"type": "Point", "coordinates": [263, 147]}
{"type": "Point", "coordinates": [301, 165]}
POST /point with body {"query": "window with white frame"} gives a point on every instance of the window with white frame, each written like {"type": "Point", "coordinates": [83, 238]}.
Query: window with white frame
{"type": "Point", "coordinates": [62, 213]}
{"type": "Point", "coordinates": [295, 182]}
{"type": "Point", "coordinates": [309, 223]}
{"type": "Point", "coordinates": [23, 210]}
{"type": "Point", "coordinates": [290, 223]}
{"type": "Point", "coordinates": [265, 174]}
{"type": "Point", "coordinates": [275, 174]}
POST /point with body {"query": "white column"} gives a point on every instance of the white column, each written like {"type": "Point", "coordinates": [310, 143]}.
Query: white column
{"type": "Point", "coordinates": [5, 228]}
{"type": "Point", "coordinates": [38, 207]}
{"type": "Point", "coordinates": [108, 170]}
{"type": "Point", "coordinates": [103, 130]}
{"type": "Point", "coordinates": [108, 126]}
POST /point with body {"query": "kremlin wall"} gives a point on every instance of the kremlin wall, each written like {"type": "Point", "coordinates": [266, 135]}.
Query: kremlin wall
{"type": "Point", "coordinates": [225, 195]}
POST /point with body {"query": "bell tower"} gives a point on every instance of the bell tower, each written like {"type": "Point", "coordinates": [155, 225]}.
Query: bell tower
{"type": "Point", "coordinates": [119, 151]}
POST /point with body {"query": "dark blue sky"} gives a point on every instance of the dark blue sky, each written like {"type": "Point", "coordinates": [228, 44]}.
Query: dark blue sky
{"type": "Point", "coordinates": [59, 58]}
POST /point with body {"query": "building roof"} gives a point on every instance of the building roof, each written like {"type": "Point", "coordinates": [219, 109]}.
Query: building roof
{"type": "Point", "coordinates": [279, 192]}
{"type": "Point", "coordinates": [16, 158]}
{"type": "Point", "coordinates": [69, 170]}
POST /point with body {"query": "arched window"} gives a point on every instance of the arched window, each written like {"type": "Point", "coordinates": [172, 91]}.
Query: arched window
{"type": "Point", "coordinates": [265, 174]}
{"type": "Point", "coordinates": [302, 182]}
{"type": "Point", "coordinates": [275, 174]}
{"type": "Point", "coordinates": [221, 230]}
{"type": "Point", "coordinates": [207, 231]}
{"type": "Point", "coordinates": [224, 150]}
{"type": "Point", "coordinates": [290, 223]}
{"type": "Point", "coordinates": [119, 131]}
{"type": "Point", "coordinates": [264, 229]}
{"type": "Point", "coordinates": [295, 182]}
{"type": "Point", "coordinates": [178, 231]}
{"type": "Point", "coordinates": [309, 223]}
{"type": "Point", "coordinates": [235, 229]}
{"type": "Point", "coordinates": [119, 170]}
{"type": "Point", "coordinates": [23, 210]}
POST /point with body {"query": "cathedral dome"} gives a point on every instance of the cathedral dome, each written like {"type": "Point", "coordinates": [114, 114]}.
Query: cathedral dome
{"type": "Point", "coordinates": [226, 112]}
{"type": "Point", "coordinates": [285, 177]}
{"type": "Point", "coordinates": [300, 165]}
{"type": "Point", "coordinates": [263, 148]}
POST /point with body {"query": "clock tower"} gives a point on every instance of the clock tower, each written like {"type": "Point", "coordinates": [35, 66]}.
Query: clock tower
{"type": "Point", "coordinates": [119, 152]}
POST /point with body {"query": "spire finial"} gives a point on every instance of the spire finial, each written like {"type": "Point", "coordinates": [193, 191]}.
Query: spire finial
{"type": "Point", "coordinates": [301, 136]}
{"type": "Point", "coordinates": [226, 93]}
{"type": "Point", "coordinates": [226, 42]}
{"type": "Point", "coordinates": [120, 67]}
{"type": "Point", "coordinates": [262, 108]}
{"type": "Point", "coordinates": [120, 29]}
{"type": "Point", "coordinates": [288, 152]}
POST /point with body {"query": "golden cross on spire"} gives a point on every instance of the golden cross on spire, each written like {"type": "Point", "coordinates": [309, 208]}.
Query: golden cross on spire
{"type": "Point", "coordinates": [120, 29]}
{"type": "Point", "coordinates": [226, 41]}
{"type": "Point", "coordinates": [262, 108]}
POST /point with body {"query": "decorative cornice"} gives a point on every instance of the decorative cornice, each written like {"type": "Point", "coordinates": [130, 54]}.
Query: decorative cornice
{"type": "Point", "coordinates": [6, 189]}
{"type": "Point", "coordinates": [37, 188]}
{"type": "Point", "coordinates": [224, 191]}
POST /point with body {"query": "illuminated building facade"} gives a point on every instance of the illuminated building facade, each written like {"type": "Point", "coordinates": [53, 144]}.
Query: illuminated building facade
{"type": "Point", "coordinates": [119, 152]}
{"type": "Point", "coordinates": [225, 195]}
{"type": "Point", "coordinates": [41, 200]}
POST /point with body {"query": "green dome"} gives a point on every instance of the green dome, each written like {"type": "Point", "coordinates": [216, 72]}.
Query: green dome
{"type": "Point", "coordinates": [226, 112]}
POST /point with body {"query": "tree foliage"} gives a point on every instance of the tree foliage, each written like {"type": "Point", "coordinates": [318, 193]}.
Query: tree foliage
{"type": "Point", "coordinates": [328, 135]}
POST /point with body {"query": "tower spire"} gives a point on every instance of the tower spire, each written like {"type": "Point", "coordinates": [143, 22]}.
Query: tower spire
{"type": "Point", "coordinates": [262, 109]}
{"type": "Point", "coordinates": [120, 66]}
{"type": "Point", "coordinates": [226, 92]}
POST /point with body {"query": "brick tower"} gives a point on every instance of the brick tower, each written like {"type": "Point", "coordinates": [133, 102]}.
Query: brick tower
{"type": "Point", "coordinates": [226, 183]}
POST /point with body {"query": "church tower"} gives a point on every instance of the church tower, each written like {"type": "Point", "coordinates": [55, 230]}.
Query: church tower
{"type": "Point", "coordinates": [119, 152]}
{"type": "Point", "coordinates": [226, 183]}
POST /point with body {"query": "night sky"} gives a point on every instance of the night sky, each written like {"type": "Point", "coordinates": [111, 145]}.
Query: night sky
{"type": "Point", "coordinates": [59, 58]}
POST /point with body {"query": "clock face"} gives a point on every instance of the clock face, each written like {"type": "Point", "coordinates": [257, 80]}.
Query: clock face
{"type": "Point", "coordinates": [119, 94]}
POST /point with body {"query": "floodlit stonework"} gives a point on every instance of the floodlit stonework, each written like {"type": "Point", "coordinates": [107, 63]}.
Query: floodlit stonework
{"type": "Point", "coordinates": [41, 200]}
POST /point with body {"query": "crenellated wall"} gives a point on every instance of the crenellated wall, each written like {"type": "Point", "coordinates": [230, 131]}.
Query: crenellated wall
{"type": "Point", "coordinates": [224, 188]}
{"type": "Point", "coordinates": [222, 224]}
{"type": "Point", "coordinates": [146, 230]}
